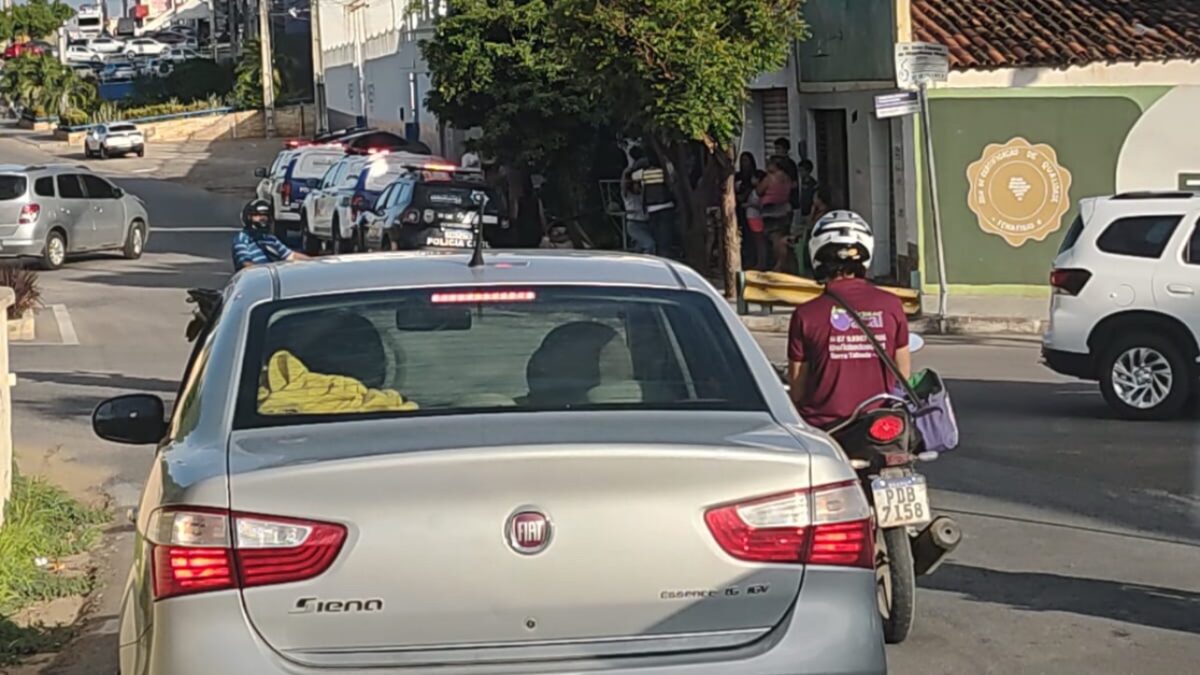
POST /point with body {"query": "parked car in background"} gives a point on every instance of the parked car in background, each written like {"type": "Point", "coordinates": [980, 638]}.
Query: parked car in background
{"type": "Point", "coordinates": [632, 482]}
{"type": "Point", "coordinates": [115, 71]}
{"type": "Point", "coordinates": [179, 54]}
{"type": "Point", "coordinates": [292, 179]}
{"type": "Point", "coordinates": [117, 138]}
{"type": "Point", "coordinates": [1126, 304]}
{"type": "Point", "coordinates": [51, 212]}
{"type": "Point", "coordinates": [429, 209]}
{"type": "Point", "coordinates": [155, 67]}
{"type": "Point", "coordinates": [86, 71]}
{"type": "Point", "coordinates": [144, 46]}
{"type": "Point", "coordinates": [45, 47]}
{"type": "Point", "coordinates": [347, 189]}
{"type": "Point", "coordinates": [175, 39]}
{"type": "Point", "coordinates": [81, 54]}
{"type": "Point", "coordinates": [374, 140]}
{"type": "Point", "coordinates": [106, 45]}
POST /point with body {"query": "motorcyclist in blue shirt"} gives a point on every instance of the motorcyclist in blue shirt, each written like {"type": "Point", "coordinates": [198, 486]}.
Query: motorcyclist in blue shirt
{"type": "Point", "coordinates": [255, 244]}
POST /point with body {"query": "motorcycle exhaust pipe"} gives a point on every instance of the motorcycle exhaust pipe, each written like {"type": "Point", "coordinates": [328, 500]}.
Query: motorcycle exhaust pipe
{"type": "Point", "coordinates": [934, 543]}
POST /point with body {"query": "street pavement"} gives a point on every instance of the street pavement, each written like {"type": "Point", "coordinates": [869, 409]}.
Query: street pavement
{"type": "Point", "coordinates": [1082, 533]}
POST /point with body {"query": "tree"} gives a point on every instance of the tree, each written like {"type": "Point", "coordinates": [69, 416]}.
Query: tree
{"type": "Point", "coordinates": [46, 86]}
{"type": "Point", "coordinates": [495, 66]}
{"type": "Point", "coordinates": [35, 18]}
{"type": "Point", "coordinates": [679, 70]}
{"type": "Point", "coordinates": [247, 86]}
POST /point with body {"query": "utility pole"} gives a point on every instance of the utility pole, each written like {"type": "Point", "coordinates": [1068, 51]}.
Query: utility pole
{"type": "Point", "coordinates": [318, 67]}
{"type": "Point", "coordinates": [268, 70]}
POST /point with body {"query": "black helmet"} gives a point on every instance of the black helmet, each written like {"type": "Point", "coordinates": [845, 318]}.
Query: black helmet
{"type": "Point", "coordinates": [257, 214]}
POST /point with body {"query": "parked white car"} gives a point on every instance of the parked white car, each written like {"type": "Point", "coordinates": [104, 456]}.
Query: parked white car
{"type": "Point", "coordinates": [145, 47]}
{"type": "Point", "coordinates": [81, 54]}
{"type": "Point", "coordinates": [295, 173]}
{"type": "Point", "coordinates": [118, 138]}
{"type": "Point", "coordinates": [106, 45]}
{"type": "Point", "coordinates": [179, 54]}
{"type": "Point", "coordinates": [1125, 310]}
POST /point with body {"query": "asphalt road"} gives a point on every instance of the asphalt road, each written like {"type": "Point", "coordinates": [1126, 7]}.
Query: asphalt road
{"type": "Point", "coordinates": [1082, 532]}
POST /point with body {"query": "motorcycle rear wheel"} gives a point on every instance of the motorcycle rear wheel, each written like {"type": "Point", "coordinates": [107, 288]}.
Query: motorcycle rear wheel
{"type": "Point", "coordinates": [895, 583]}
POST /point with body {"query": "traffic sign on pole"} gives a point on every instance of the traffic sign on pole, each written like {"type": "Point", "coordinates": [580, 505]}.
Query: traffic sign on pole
{"type": "Point", "coordinates": [921, 62]}
{"type": "Point", "coordinates": [897, 105]}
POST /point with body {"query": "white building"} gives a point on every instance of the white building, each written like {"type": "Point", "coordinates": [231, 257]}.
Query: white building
{"type": "Point", "coordinates": [372, 68]}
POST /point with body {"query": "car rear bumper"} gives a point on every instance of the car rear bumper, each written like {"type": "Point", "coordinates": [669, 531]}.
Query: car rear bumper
{"type": "Point", "coordinates": [833, 629]}
{"type": "Point", "coordinates": [1071, 364]}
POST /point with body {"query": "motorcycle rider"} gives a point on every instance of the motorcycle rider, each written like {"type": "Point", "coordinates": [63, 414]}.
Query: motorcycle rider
{"type": "Point", "coordinates": [255, 244]}
{"type": "Point", "coordinates": [832, 367]}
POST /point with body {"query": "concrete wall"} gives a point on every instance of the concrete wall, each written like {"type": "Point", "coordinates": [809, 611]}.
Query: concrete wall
{"type": "Point", "coordinates": [292, 121]}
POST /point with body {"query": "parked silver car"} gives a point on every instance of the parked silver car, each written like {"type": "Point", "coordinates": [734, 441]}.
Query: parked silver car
{"type": "Point", "coordinates": [50, 212]}
{"type": "Point", "coordinates": [550, 463]}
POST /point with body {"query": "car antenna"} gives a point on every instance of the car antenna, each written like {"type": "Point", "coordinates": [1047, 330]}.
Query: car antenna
{"type": "Point", "coordinates": [477, 255]}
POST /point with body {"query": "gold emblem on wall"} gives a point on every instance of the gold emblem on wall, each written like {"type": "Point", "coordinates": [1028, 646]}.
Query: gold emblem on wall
{"type": "Point", "coordinates": [1019, 191]}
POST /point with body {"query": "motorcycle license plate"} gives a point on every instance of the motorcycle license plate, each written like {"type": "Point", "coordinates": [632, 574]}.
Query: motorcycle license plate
{"type": "Point", "coordinates": [901, 501]}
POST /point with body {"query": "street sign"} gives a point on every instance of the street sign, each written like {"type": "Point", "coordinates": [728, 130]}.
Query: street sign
{"type": "Point", "coordinates": [897, 105]}
{"type": "Point", "coordinates": [921, 62]}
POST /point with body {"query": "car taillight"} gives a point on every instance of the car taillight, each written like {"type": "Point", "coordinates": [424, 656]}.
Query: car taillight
{"type": "Point", "coordinates": [29, 214]}
{"type": "Point", "coordinates": [886, 429]}
{"type": "Point", "coordinates": [356, 205]}
{"type": "Point", "coordinates": [827, 525]}
{"type": "Point", "coordinates": [196, 550]}
{"type": "Point", "coordinates": [286, 193]}
{"type": "Point", "coordinates": [1069, 281]}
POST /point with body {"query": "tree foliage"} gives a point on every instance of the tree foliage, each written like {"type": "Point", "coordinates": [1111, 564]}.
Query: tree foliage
{"type": "Point", "coordinates": [496, 65]}
{"type": "Point", "coordinates": [247, 85]}
{"type": "Point", "coordinates": [531, 74]}
{"type": "Point", "coordinates": [46, 86]}
{"type": "Point", "coordinates": [35, 18]}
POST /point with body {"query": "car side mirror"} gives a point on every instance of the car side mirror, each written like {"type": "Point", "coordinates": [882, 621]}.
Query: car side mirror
{"type": "Point", "coordinates": [118, 192]}
{"type": "Point", "coordinates": [133, 419]}
{"type": "Point", "coordinates": [260, 172]}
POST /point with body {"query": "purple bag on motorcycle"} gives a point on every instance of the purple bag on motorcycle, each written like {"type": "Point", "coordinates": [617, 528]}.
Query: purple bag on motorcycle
{"type": "Point", "coordinates": [932, 412]}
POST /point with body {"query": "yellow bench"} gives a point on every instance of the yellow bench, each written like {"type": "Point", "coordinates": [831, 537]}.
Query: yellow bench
{"type": "Point", "coordinates": [772, 288]}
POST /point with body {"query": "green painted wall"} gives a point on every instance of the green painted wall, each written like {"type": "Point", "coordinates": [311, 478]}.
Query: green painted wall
{"type": "Point", "coordinates": [1086, 127]}
{"type": "Point", "coordinates": [849, 41]}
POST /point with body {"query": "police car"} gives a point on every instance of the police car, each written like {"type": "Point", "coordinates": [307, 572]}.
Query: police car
{"type": "Point", "coordinates": [430, 206]}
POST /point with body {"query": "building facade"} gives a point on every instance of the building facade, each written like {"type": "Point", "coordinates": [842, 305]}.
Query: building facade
{"type": "Point", "coordinates": [1077, 99]}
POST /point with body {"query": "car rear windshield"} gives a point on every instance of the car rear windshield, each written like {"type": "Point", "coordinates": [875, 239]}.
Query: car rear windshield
{"type": "Point", "coordinates": [314, 165]}
{"type": "Point", "coordinates": [122, 127]}
{"type": "Point", "coordinates": [498, 349]}
{"type": "Point", "coordinates": [12, 187]}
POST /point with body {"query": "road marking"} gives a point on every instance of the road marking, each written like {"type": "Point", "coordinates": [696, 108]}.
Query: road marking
{"type": "Point", "coordinates": [66, 329]}
{"type": "Point", "coordinates": [194, 230]}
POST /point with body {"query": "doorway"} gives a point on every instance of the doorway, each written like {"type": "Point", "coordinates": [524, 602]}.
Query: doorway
{"type": "Point", "coordinates": [832, 155]}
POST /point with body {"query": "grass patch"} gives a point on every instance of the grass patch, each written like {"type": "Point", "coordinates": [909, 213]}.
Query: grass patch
{"type": "Point", "coordinates": [41, 521]}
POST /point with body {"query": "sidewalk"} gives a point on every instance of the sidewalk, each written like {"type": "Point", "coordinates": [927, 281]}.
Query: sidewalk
{"type": "Point", "coordinates": [968, 315]}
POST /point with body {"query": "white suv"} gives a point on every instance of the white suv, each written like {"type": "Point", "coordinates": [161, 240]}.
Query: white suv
{"type": "Point", "coordinates": [1125, 309]}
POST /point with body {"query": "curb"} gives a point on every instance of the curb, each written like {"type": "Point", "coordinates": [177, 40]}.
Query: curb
{"type": "Point", "coordinates": [955, 325]}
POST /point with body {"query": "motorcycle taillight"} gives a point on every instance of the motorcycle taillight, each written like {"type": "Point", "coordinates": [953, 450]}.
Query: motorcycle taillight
{"type": "Point", "coordinates": [886, 428]}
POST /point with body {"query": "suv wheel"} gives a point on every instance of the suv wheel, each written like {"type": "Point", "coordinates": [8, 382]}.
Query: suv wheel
{"type": "Point", "coordinates": [309, 243]}
{"type": "Point", "coordinates": [55, 252]}
{"type": "Point", "coordinates": [1145, 377]}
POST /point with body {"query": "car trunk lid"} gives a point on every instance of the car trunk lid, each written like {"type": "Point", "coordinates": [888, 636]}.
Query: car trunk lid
{"type": "Point", "coordinates": [431, 574]}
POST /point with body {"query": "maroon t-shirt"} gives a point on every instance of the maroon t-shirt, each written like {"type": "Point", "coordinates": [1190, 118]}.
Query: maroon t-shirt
{"type": "Point", "coordinates": [843, 368]}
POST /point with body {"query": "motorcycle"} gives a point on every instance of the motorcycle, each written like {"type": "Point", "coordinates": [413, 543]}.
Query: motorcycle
{"type": "Point", "coordinates": [885, 447]}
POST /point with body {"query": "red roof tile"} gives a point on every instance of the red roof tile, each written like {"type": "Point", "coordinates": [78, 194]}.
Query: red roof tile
{"type": "Point", "coordinates": [988, 34]}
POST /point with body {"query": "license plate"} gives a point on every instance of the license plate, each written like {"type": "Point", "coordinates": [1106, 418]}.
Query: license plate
{"type": "Point", "coordinates": [901, 501]}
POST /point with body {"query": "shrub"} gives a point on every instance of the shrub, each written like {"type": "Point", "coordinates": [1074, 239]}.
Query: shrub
{"type": "Point", "coordinates": [24, 283]}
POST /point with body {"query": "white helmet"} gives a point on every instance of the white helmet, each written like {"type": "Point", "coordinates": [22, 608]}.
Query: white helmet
{"type": "Point", "coordinates": [840, 236]}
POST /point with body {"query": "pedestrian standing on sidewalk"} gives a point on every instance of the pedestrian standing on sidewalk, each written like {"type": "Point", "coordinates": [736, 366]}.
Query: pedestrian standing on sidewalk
{"type": "Point", "coordinates": [775, 191]}
{"type": "Point", "coordinates": [637, 221]}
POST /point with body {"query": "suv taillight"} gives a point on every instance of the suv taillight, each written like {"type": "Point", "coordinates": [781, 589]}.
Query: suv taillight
{"type": "Point", "coordinates": [356, 205]}
{"type": "Point", "coordinates": [827, 525]}
{"type": "Point", "coordinates": [195, 550]}
{"type": "Point", "coordinates": [286, 193]}
{"type": "Point", "coordinates": [1069, 281]}
{"type": "Point", "coordinates": [29, 214]}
